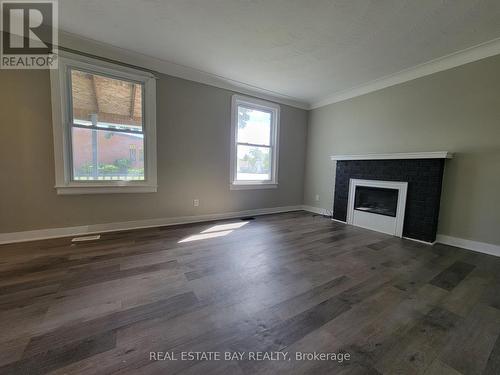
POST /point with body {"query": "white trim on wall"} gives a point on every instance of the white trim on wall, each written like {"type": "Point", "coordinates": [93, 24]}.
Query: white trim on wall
{"type": "Point", "coordinates": [480, 247]}
{"type": "Point", "coordinates": [43, 234]}
{"type": "Point", "coordinates": [265, 106]}
{"type": "Point", "coordinates": [468, 55]}
{"type": "Point", "coordinates": [419, 241]}
{"type": "Point", "coordinates": [63, 122]}
{"type": "Point", "coordinates": [317, 210]}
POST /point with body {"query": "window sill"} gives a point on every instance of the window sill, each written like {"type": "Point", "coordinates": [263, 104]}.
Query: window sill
{"type": "Point", "coordinates": [79, 190]}
{"type": "Point", "coordinates": [240, 186]}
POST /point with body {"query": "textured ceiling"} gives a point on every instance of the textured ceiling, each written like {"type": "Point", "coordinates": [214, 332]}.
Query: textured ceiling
{"type": "Point", "coordinates": [304, 49]}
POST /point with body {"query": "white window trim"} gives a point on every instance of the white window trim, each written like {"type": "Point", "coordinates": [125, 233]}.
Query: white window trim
{"type": "Point", "coordinates": [275, 125]}
{"type": "Point", "coordinates": [61, 117]}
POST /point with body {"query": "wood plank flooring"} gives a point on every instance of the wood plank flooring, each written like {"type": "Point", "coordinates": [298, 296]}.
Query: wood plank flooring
{"type": "Point", "coordinates": [287, 283]}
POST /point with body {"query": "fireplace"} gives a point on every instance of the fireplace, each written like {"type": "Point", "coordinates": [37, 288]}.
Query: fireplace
{"type": "Point", "coordinates": [376, 200]}
{"type": "Point", "coordinates": [377, 205]}
{"type": "Point", "coordinates": [423, 171]}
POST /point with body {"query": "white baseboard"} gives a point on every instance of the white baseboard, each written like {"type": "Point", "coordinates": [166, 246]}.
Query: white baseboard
{"type": "Point", "coordinates": [43, 234]}
{"type": "Point", "coordinates": [419, 241]}
{"type": "Point", "coordinates": [316, 210]}
{"type": "Point", "coordinates": [480, 247]}
{"type": "Point", "coordinates": [321, 211]}
{"type": "Point", "coordinates": [339, 221]}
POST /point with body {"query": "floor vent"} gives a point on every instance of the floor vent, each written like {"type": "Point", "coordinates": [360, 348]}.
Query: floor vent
{"type": "Point", "coordinates": [247, 218]}
{"type": "Point", "coordinates": [86, 238]}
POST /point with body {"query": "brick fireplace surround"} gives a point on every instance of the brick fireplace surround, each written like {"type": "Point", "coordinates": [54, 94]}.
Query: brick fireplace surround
{"type": "Point", "coordinates": [422, 171]}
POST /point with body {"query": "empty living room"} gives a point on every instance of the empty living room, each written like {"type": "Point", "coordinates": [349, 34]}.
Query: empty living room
{"type": "Point", "coordinates": [250, 187]}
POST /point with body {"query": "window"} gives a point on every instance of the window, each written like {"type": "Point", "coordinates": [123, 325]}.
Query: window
{"type": "Point", "coordinates": [102, 114]}
{"type": "Point", "coordinates": [254, 143]}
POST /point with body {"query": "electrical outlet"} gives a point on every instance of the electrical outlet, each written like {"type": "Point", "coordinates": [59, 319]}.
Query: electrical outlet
{"type": "Point", "coordinates": [196, 202]}
{"type": "Point", "coordinates": [316, 198]}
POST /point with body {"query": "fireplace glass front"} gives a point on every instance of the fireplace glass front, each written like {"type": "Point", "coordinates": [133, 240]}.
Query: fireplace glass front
{"type": "Point", "coordinates": [376, 200]}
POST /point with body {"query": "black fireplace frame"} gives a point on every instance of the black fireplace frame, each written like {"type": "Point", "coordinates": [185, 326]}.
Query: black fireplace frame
{"type": "Point", "coordinates": [424, 177]}
{"type": "Point", "coordinates": [360, 189]}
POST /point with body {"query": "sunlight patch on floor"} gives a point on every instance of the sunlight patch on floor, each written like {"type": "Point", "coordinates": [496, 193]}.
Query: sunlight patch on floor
{"type": "Point", "coordinates": [220, 230]}
{"type": "Point", "coordinates": [221, 227]}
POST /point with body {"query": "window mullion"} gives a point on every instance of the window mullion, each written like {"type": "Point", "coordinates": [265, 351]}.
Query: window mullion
{"type": "Point", "coordinates": [252, 145]}
{"type": "Point", "coordinates": [91, 127]}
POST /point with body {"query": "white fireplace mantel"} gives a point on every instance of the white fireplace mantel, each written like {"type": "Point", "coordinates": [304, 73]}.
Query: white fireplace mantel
{"type": "Point", "coordinates": [400, 155]}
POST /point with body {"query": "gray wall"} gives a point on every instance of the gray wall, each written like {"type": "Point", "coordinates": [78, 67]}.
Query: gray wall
{"type": "Point", "coordinates": [456, 110]}
{"type": "Point", "coordinates": [193, 126]}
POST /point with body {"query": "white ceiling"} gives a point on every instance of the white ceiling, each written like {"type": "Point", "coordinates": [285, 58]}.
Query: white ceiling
{"type": "Point", "coordinates": [307, 50]}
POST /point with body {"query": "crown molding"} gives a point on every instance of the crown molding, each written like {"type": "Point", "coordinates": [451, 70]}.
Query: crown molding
{"type": "Point", "coordinates": [468, 55]}
{"type": "Point", "coordinates": [108, 51]}
{"type": "Point", "coordinates": [93, 47]}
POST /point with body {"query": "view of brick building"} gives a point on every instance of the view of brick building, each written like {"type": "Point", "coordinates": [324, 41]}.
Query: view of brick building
{"type": "Point", "coordinates": [111, 146]}
{"type": "Point", "coordinates": [107, 128]}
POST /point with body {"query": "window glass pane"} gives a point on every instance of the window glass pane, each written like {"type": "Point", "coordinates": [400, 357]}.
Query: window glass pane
{"type": "Point", "coordinates": [254, 163]}
{"type": "Point", "coordinates": [106, 155]}
{"type": "Point", "coordinates": [254, 126]}
{"type": "Point", "coordinates": [106, 102]}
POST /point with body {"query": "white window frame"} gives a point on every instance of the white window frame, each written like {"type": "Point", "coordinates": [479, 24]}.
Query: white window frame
{"type": "Point", "coordinates": [266, 106]}
{"type": "Point", "coordinates": [61, 112]}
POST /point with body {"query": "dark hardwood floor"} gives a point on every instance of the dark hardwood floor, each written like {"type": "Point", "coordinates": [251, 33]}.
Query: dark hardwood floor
{"type": "Point", "coordinates": [291, 283]}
